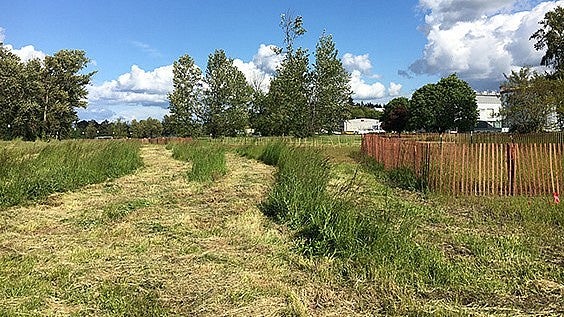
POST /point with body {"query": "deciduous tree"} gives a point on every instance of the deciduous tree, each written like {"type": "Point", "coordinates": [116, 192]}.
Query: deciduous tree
{"type": "Point", "coordinates": [227, 97]}
{"type": "Point", "coordinates": [185, 101]}
{"type": "Point", "coordinates": [331, 89]}
{"type": "Point", "coordinates": [396, 115]}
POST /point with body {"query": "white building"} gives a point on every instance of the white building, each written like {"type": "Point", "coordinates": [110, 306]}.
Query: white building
{"type": "Point", "coordinates": [362, 126]}
{"type": "Point", "coordinates": [489, 105]}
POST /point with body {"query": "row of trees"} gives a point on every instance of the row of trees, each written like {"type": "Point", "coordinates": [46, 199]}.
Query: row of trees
{"type": "Point", "coordinates": [119, 129]}
{"type": "Point", "coordinates": [38, 98]}
{"type": "Point", "coordinates": [449, 104]}
{"type": "Point", "coordinates": [300, 101]}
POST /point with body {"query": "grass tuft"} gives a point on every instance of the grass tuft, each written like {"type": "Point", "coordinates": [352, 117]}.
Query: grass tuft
{"type": "Point", "coordinates": [208, 160]}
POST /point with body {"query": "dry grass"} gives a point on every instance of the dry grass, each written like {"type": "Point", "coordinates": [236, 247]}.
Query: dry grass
{"type": "Point", "coordinates": [153, 243]}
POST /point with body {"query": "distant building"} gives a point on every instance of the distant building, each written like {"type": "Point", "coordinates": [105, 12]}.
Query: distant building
{"type": "Point", "coordinates": [362, 126]}
{"type": "Point", "coordinates": [489, 105]}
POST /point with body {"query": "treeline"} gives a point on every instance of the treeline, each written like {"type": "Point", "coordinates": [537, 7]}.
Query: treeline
{"type": "Point", "coordinates": [119, 129]}
{"type": "Point", "coordinates": [301, 100]}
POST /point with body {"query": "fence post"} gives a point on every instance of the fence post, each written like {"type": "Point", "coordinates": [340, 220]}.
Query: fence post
{"type": "Point", "coordinates": [511, 167]}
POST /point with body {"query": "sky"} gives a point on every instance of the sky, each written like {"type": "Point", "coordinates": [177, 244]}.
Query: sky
{"type": "Point", "coordinates": [390, 48]}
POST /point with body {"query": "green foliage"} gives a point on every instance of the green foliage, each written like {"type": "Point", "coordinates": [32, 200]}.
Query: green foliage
{"type": "Point", "coordinates": [448, 104]}
{"type": "Point", "coordinates": [148, 128]}
{"type": "Point", "coordinates": [208, 160]}
{"type": "Point", "coordinates": [186, 113]}
{"type": "Point", "coordinates": [551, 37]}
{"type": "Point", "coordinates": [528, 100]}
{"type": "Point", "coordinates": [396, 115]}
{"type": "Point", "coordinates": [405, 178]}
{"type": "Point", "coordinates": [39, 98]}
{"type": "Point", "coordinates": [227, 98]}
{"type": "Point", "coordinates": [288, 110]}
{"type": "Point", "coordinates": [331, 89]}
{"type": "Point", "coordinates": [35, 172]}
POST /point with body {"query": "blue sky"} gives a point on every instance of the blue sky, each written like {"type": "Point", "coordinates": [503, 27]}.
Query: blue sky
{"type": "Point", "coordinates": [390, 48]}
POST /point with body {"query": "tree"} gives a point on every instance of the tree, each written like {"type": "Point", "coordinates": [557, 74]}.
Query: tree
{"type": "Point", "coordinates": [396, 115]}
{"type": "Point", "coordinates": [551, 37]}
{"type": "Point", "coordinates": [120, 129]}
{"type": "Point", "coordinates": [448, 104]}
{"type": "Point", "coordinates": [39, 98]}
{"type": "Point", "coordinates": [527, 101]}
{"type": "Point", "coordinates": [288, 98]}
{"type": "Point", "coordinates": [148, 128]}
{"type": "Point", "coordinates": [331, 90]}
{"type": "Point", "coordinates": [286, 110]}
{"type": "Point", "coordinates": [227, 97]}
{"type": "Point", "coordinates": [185, 101]}
{"type": "Point", "coordinates": [63, 88]}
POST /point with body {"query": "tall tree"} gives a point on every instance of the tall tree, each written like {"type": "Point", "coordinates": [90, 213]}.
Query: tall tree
{"type": "Point", "coordinates": [396, 115]}
{"type": "Point", "coordinates": [185, 101]}
{"type": "Point", "coordinates": [227, 97]}
{"type": "Point", "coordinates": [63, 89]}
{"type": "Point", "coordinates": [12, 94]}
{"type": "Point", "coordinates": [331, 89]}
{"type": "Point", "coordinates": [287, 108]}
{"type": "Point", "coordinates": [39, 98]}
{"type": "Point", "coordinates": [289, 97]}
{"type": "Point", "coordinates": [551, 37]}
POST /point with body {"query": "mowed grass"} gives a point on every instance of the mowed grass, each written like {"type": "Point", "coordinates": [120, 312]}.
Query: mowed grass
{"type": "Point", "coordinates": [155, 243]}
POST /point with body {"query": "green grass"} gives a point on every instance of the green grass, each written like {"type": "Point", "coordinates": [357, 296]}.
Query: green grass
{"type": "Point", "coordinates": [208, 160]}
{"type": "Point", "coordinates": [30, 171]}
{"type": "Point", "coordinates": [411, 254]}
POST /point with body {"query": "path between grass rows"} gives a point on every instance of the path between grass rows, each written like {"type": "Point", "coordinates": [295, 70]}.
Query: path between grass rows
{"type": "Point", "coordinates": [152, 243]}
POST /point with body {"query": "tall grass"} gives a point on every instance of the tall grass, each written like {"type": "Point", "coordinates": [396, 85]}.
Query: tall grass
{"type": "Point", "coordinates": [32, 172]}
{"type": "Point", "coordinates": [330, 224]}
{"type": "Point", "coordinates": [208, 160]}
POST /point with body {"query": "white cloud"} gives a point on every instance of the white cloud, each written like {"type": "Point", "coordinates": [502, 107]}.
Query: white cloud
{"type": "Point", "coordinates": [480, 40]}
{"type": "Point", "coordinates": [359, 63]}
{"type": "Point", "coordinates": [137, 94]}
{"type": "Point", "coordinates": [2, 35]}
{"type": "Point", "coordinates": [394, 89]}
{"type": "Point", "coordinates": [26, 53]}
{"type": "Point", "coordinates": [365, 91]}
{"type": "Point", "coordinates": [260, 70]}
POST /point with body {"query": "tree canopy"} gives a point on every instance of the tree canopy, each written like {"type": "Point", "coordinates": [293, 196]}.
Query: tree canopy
{"type": "Point", "coordinates": [446, 105]}
{"type": "Point", "coordinates": [39, 98]}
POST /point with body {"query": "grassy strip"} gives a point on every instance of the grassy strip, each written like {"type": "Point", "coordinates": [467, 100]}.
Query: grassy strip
{"type": "Point", "coordinates": [32, 172]}
{"type": "Point", "coordinates": [329, 224]}
{"type": "Point", "coordinates": [208, 160]}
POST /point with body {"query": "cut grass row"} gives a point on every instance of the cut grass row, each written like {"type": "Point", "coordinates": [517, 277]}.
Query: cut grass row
{"type": "Point", "coordinates": [407, 253]}
{"type": "Point", "coordinates": [34, 170]}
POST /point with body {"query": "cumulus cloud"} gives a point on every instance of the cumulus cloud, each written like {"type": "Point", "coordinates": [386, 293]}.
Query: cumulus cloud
{"type": "Point", "coordinates": [394, 89]}
{"type": "Point", "coordinates": [480, 40]}
{"type": "Point", "coordinates": [260, 70]}
{"type": "Point", "coordinates": [136, 94]}
{"type": "Point", "coordinates": [365, 91]}
{"type": "Point", "coordinates": [26, 53]}
{"type": "Point", "coordinates": [360, 63]}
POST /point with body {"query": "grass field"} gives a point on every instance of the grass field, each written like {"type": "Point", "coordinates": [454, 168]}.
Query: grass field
{"type": "Point", "coordinates": [157, 243]}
